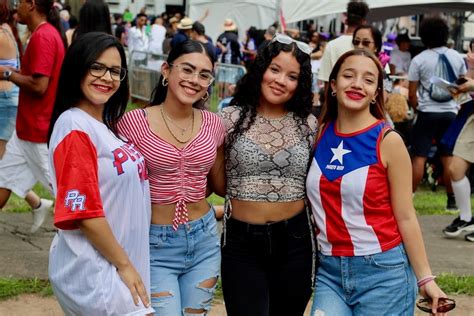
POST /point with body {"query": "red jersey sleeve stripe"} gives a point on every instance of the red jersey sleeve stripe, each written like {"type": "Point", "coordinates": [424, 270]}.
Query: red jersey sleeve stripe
{"type": "Point", "coordinates": [76, 169]}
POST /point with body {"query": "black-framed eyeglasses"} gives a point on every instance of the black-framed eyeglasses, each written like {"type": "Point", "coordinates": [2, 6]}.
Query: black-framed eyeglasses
{"type": "Point", "coordinates": [285, 39]}
{"type": "Point", "coordinates": [186, 72]}
{"type": "Point", "coordinates": [99, 70]}
{"type": "Point", "coordinates": [365, 43]}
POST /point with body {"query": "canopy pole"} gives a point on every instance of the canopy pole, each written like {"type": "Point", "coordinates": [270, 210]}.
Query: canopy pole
{"type": "Point", "coordinates": [277, 12]}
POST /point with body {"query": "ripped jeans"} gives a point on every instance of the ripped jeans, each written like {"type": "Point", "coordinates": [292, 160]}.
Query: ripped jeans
{"type": "Point", "coordinates": [185, 266]}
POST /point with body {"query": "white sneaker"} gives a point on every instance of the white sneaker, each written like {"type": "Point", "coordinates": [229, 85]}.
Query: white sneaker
{"type": "Point", "coordinates": [39, 214]}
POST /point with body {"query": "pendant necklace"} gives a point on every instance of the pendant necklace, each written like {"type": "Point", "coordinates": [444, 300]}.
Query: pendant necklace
{"type": "Point", "coordinates": [183, 130]}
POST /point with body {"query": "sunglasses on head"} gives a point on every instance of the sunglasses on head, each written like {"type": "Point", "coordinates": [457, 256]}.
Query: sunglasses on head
{"type": "Point", "coordinates": [365, 43]}
{"type": "Point", "coordinates": [285, 39]}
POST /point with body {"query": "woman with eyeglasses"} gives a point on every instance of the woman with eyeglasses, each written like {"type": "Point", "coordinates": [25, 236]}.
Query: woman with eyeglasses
{"type": "Point", "coordinates": [99, 258]}
{"type": "Point", "coordinates": [267, 240]}
{"type": "Point", "coordinates": [369, 38]}
{"type": "Point", "coordinates": [371, 250]}
{"type": "Point", "coordinates": [183, 149]}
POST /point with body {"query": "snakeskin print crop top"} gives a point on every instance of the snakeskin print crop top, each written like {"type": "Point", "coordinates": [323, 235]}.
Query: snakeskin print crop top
{"type": "Point", "coordinates": [270, 160]}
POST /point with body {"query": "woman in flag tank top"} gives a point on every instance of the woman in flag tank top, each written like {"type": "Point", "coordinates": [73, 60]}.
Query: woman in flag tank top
{"type": "Point", "coordinates": [371, 250]}
{"type": "Point", "coordinates": [183, 149]}
{"type": "Point", "coordinates": [99, 258]}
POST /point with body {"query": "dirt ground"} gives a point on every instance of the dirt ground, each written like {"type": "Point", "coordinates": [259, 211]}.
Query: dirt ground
{"type": "Point", "coordinates": [36, 305]}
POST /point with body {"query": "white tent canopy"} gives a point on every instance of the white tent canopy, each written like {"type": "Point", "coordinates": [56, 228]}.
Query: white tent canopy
{"type": "Point", "coordinates": [245, 13]}
{"type": "Point", "coordinates": [262, 13]}
{"type": "Point", "coordinates": [298, 10]}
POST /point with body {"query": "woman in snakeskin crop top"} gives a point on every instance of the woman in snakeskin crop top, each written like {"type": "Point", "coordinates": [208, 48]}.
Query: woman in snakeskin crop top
{"type": "Point", "coordinates": [267, 247]}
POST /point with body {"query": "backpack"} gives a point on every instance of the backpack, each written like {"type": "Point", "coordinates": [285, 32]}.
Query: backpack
{"type": "Point", "coordinates": [445, 71]}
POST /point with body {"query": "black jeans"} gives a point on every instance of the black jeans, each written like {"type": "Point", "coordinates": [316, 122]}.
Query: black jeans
{"type": "Point", "coordinates": [266, 269]}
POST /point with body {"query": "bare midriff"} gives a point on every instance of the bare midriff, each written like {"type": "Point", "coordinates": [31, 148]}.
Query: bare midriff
{"type": "Point", "coordinates": [163, 214]}
{"type": "Point", "coordinates": [265, 212]}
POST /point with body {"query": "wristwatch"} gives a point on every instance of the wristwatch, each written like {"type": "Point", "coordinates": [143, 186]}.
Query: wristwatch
{"type": "Point", "coordinates": [6, 75]}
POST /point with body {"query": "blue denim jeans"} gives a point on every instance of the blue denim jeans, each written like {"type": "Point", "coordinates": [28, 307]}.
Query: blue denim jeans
{"type": "Point", "coordinates": [180, 261]}
{"type": "Point", "coordinates": [379, 284]}
{"type": "Point", "coordinates": [8, 109]}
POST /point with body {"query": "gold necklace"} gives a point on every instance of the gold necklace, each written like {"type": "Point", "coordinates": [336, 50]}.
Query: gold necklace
{"type": "Point", "coordinates": [183, 130]}
{"type": "Point", "coordinates": [169, 130]}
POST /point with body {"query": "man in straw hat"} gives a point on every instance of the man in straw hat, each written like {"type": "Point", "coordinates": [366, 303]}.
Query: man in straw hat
{"type": "Point", "coordinates": [185, 27]}
{"type": "Point", "coordinates": [229, 44]}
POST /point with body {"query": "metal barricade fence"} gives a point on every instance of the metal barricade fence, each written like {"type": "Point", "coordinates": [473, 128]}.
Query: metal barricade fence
{"type": "Point", "coordinates": [145, 71]}
{"type": "Point", "coordinates": [223, 87]}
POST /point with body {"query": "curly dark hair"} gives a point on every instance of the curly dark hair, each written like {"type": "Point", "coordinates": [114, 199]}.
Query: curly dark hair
{"type": "Point", "coordinates": [434, 32]}
{"type": "Point", "coordinates": [329, 110]}
{"type": "Point", "coordinates": [356, 12]}
{"type": "Point", "coordinates": [248, 90]}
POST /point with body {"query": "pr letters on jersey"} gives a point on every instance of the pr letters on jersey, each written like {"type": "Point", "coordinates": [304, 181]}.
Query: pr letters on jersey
{"type": "Point", "coordinates": [125, 152]}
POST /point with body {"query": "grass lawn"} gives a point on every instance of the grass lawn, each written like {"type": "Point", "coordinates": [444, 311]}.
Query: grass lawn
{"type": "Point", "coordinates": [426, 201]}
{"type": "Point", "coordinates": [451, 284]}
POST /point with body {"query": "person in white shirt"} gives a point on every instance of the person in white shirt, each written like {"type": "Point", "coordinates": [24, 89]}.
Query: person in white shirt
{"type": "Point", "coordinates": [138, 39]}
{"type": "Point", "coordinates": [433, 117]}
{"type": "Point", "coordinates": [400, 57]}
{"type": "Point", "coordinates": [157, 36]}
{"type": "Point", "coordinates": [99, 260]}
{"type": "Point", "coordinates": [356, 14]}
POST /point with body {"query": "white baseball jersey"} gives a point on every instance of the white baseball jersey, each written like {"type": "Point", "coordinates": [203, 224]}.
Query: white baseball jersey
{"type": "Point", "coordinates": [95, 174]}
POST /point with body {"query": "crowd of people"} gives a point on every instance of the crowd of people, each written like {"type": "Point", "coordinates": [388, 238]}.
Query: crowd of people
{"type": "Point", "coordinates": [318, 190]}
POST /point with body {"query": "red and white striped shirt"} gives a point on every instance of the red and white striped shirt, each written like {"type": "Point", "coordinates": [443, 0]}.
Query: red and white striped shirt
{"type": "Point", "coordinates": [177, 175]}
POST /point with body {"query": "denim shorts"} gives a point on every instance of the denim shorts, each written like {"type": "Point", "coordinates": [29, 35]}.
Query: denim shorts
{"type": "Point", "coordinates": [8, 109]}
{"type": "Point", "coordinates": [180, 261]}
{"type": "Point", "coordinates": [378, 284]}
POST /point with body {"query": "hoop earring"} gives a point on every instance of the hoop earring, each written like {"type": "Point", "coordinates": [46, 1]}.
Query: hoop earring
{"type": "Point", "coordinates": [373, 102]}
{"type": "Point", "coordinates": [164, 82]}
{"type": "Point", "coordinates": [333, 93]}
{"type": "Point", "coordinates": [205, 97]}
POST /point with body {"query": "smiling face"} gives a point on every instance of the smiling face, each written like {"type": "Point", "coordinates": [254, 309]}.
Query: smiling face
{"type": "Point", "coordinates": [356, 84]}
{"type": "Point", "coordinates": [363, 39]}
{"type": "Point", "coordinates": [183, 86]}
{"type": "Point", "coordinates": [98, 90]}
{"type": "Point", "coordinates": [280, 80]}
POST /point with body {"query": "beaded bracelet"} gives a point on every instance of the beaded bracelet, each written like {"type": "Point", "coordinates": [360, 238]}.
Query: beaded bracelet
{"type": "Point", "coordinates": [425, 280]}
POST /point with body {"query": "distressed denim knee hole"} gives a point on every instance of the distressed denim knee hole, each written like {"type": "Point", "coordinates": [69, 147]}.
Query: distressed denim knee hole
{"type": "Point", "coordinates": [194, 312]}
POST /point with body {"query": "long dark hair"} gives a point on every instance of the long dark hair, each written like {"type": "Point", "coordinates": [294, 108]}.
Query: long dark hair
{"type": "Point", "coordinates": [329, 110]}
{"type": "Point", "coordinates": [248, 90]}
{"type": "Point", "coordinates": [46, 8]}
{"type": "Point", "coordinates": [81, 55]}
{"type": "Point", "coordinates": [94, 16]}
{"type": "Point", "coordinates": [6, 16]}
{"type": "Point", "coordinates": [158, 95]}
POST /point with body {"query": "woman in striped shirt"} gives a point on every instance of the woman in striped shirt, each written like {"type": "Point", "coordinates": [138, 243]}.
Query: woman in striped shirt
{"type": "Point", "coordinates": [182, 146]}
